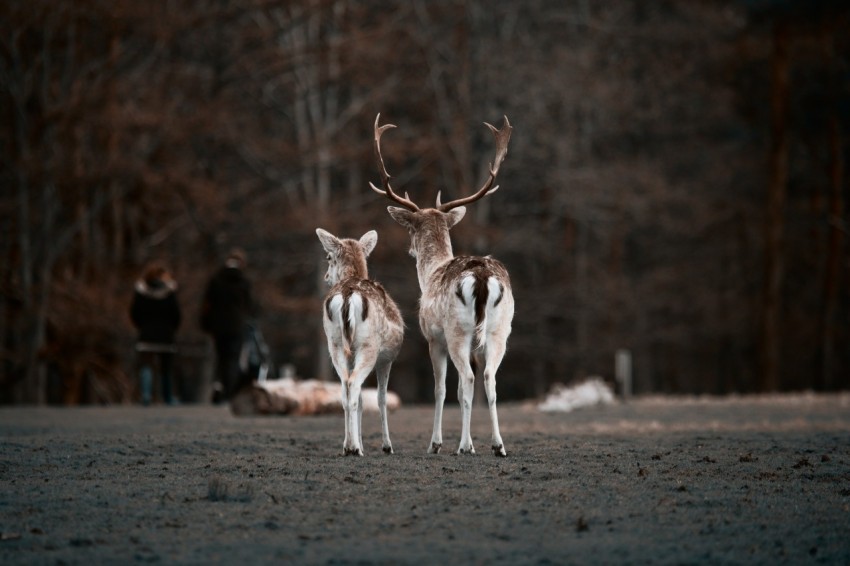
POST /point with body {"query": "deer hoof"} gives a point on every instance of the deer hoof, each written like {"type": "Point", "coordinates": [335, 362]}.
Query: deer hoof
{"type": "Point", "coordinates": [388, 450]}
{"type": "Point", "coordinates": [470, 450]}
{"type": "Point", "coordinates": [353, 452]}
{"type": "Point", "coordinates": [435, 448]}
{"type": "Point", "coordinates": [500, 451]}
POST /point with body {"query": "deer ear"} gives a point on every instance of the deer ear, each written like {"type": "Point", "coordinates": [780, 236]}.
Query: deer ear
{"type": "Point", "coordinates": [329, 241]}
{"type": "Point", "coordinates": [369, 240]}
{"type": "Point", "coordinates": [455, 215]}
{"type": "Point", "coordinates": [402, 216]}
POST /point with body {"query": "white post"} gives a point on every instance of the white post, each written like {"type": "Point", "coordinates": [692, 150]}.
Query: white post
{"type": "Point", "coordinates": [287, 371]}
{"type": "Point", "coordinates": [623, 372]}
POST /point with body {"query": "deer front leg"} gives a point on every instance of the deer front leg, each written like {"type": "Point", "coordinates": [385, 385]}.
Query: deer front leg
{"type": "Point", "coordinates": [438, 361]}
{"type": "Point", "coordinates": [383, 374]}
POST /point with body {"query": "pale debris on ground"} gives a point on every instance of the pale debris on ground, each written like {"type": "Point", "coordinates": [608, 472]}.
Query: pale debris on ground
{"type": "Point", "coordinates": [563, 398]}
{"type": "Point", "coordinates": [288, 396]}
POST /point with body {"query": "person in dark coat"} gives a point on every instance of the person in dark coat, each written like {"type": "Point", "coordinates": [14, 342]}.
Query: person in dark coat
{"type": "Point", "coordinates": [155, 313]}
{"type": "Point", "coordinates": [227, 309]}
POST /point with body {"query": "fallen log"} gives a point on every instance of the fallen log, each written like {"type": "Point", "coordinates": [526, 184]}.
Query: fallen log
{"type": "Point", "coordinates": [288, 396]}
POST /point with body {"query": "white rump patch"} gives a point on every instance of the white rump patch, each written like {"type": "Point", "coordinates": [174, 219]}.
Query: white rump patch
{"type": "Point", "coordinates": [467, 284]}
{"type": "Point", "coordinates": [355, 310]}
{"type": "Point", "coordinates": [336, 307]}
{"type": "Point", "coordinates": [494, 291]}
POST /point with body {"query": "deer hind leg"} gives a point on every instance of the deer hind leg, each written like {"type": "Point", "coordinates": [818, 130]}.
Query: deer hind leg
{"type": "Point", "coordinates": [466, 389]}
{"type": "Point", "coordinates": [382, 370]}
{"type": "Point", "coordinates": [364, 361]}
{"type": "Point", "coordinates": [340, 363]}
{"type": "Point", "coordinates": [360, 420]}
{"type": "Point", "coordinates": [351, 399]}
{"type": "Point", "coordinates": [495, 353]}
{"type": "Point", "coordinates": [438, 361]}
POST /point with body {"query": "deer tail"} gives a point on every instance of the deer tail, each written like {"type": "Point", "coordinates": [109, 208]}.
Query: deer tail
{"type": "Point", "coordinates": [474, 290]}
{"type": "Point", "coordinates": [352, 314]}
{"type": "Point", "coordinates": [337, 310]}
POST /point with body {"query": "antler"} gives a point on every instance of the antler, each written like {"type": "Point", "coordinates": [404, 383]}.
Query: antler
{"type": "Point", "coordinates": [385, 177]}
{"type": "Point", "coordinates": [502, 136]}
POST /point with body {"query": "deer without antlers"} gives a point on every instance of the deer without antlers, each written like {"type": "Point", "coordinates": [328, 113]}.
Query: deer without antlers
{"type": "Point", "coordinates": [364, 329]}
{"type": "Point", "coordinates": [466, 307]}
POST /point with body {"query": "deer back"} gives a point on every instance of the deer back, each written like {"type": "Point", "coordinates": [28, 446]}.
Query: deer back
{"type": "Point", "coordinates": [359, 311]}
{"type": "Point", "coordinates": [461, 291]}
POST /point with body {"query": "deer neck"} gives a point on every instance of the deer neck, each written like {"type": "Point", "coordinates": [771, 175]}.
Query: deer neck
{"type": "Point", "coordinates": [433, 249]}
{"type": "Point", "coordinates": [352, 272]}
{"type": "Point", "coordinates": [352, 264]}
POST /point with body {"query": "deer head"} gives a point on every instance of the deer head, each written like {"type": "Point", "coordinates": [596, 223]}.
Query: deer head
{"type": "Point", "coordinates": [346, 257]}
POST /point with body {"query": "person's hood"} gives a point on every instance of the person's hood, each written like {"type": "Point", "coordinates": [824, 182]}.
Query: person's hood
{"type": "Point", "coordinates": [158, 289]}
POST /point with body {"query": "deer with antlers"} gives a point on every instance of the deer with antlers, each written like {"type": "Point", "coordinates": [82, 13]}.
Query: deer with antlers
{"type": "Point", "coordinates": [364, 329]}
{"type": "Point", "coordinates": [466, 307]}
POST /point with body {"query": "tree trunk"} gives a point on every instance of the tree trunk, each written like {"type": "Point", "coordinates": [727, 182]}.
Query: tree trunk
{"type": "Point", "coordinates": [775, 207]}
{"type": "Point", "coordinates": [834, 255]}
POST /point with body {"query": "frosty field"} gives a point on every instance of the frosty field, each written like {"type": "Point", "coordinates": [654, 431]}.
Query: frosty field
{"type": "Point", "coordinates": [656, 480]}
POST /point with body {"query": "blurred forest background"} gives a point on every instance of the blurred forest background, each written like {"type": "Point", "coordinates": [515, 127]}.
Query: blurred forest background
{"type": "Point", "coordinates": [675, 185]}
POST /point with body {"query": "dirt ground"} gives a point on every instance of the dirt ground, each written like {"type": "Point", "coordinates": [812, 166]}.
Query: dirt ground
{"type": "Point", "coordinates": [761, 480]}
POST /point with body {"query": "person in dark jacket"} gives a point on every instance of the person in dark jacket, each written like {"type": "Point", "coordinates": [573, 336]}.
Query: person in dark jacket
{"type": "Point", "coordinates": [227, 309]}
{"type": "Point", "coordinates": [155, 312]}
